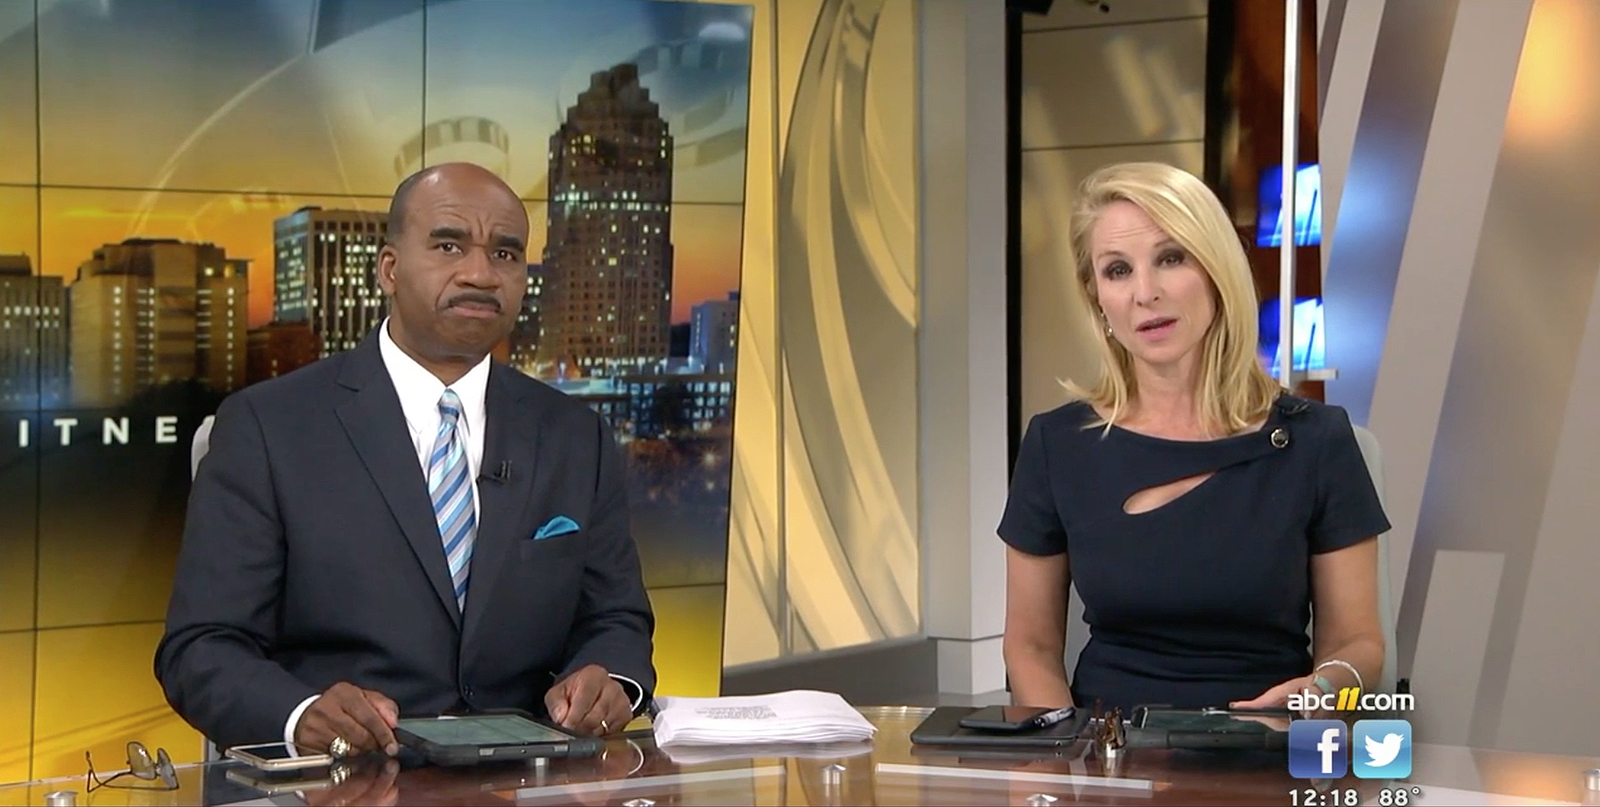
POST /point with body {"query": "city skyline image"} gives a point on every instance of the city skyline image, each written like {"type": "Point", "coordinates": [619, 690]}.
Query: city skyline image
{"type": "Point", "coordinates": [706, 238]}
{"type": "Point", "coordinates": [198, 208]}
{"type": "Point", "coordinates": [146, 310]}
{"type": "Point", "coordinates": [607, 269]}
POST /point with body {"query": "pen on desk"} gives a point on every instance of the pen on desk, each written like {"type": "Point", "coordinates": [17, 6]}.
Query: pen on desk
{"type": "Point", "coordinates": [1051, 718]}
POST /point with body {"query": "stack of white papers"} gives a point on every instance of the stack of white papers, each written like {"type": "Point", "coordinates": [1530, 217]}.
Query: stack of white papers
{"type": "Point", "coordinates": [798, 716]}
{"type": "Point", "coordinates": [682, 754]}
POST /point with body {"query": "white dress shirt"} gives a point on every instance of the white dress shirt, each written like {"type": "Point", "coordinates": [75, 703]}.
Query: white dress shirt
{"type": "Point", "coordinates": [419, 390]}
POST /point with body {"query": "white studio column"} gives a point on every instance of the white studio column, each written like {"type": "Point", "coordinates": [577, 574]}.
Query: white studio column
{"type": "Point", "coordinates": [1291, 140]}
{"type": "Point", "coordinates": [962, 341]}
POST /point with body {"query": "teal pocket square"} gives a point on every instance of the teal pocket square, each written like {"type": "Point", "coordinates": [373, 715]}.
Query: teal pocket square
{"type": "Point", "coordinates": [560, 525]}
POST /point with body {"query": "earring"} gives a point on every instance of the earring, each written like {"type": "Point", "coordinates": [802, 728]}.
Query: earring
{"type": "Point", "coordinates": [1107, 321]}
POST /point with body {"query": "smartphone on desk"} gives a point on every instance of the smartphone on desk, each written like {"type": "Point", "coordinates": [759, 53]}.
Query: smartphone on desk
{"type": "Point", "coordinates": [1012, 719]}
{"type": "Point", "coordinates": [273, 783]}
{"type": "Point", "coordinates": [278, 757]}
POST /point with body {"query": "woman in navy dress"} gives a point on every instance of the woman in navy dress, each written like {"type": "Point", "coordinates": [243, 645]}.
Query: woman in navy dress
{"type": "Point", "coordinates": [1204, 514]}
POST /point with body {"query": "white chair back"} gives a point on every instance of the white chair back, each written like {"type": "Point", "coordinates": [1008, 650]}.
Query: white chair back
{"type": "Point", "coordinates": [201, 444]}
{"type": "Point", "coordinates": [1373, 454]}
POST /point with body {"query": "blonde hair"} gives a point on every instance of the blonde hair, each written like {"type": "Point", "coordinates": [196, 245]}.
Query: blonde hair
{"type": "Point", "coordinates": [1235, 391]}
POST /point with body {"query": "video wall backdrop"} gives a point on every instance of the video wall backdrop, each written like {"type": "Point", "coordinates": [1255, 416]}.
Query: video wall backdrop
{"type": "Point", "coordinates": [823, 542]}
{"type": "Point", "coordinates": [191, 197]}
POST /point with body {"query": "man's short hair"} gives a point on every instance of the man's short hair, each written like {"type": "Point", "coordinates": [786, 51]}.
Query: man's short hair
{"type": "Point", "coordinates": [399, 205]}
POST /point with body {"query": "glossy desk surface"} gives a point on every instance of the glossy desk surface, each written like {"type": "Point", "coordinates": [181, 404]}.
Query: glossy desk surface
{"type": "Point", "coordinates": [888, 771]}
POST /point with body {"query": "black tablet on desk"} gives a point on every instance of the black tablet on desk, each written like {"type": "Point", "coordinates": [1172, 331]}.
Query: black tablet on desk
{"type": "Point", "coordinates": [943, 727]}
{"type": "Point", "coordinates": [1209, 728]}
{"type": "Point", "coordinates": [491, 737]}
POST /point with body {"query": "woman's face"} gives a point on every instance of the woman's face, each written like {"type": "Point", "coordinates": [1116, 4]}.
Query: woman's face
{"type": "Point", "coordinates": [1156, 298]}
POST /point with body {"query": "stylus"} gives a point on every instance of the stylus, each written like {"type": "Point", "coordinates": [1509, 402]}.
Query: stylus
{"type": "Point", "coordinates": [1052, 718]}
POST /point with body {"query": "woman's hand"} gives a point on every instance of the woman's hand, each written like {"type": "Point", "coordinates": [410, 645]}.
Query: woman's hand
{"type": "Point", "coordinates": [1278, 697]}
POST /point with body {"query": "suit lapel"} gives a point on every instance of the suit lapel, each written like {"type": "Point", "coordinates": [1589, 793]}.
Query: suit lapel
{"type": "Point", "coordinates": [377, 427]}
{"type": "Point", "coordinates": [511, 435]}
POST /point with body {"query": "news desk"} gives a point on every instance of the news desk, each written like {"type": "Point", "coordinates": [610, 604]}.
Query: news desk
{"type": "Point", "coordinates": [887, 771]}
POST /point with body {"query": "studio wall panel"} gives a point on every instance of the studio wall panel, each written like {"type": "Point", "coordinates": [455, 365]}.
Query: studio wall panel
{"type": "Point", "coordinates": [30, 323]}
{"type": "Point", "coordinates": [94, 693]}
{"type": "Point", "coordinates": [755, 589]}
{"type": "Point", "coordinates": [796, 23]}
{"type": "Point", "coordinates": [16, 703]}
{"type": "Point", "coordinates": [1114, 86]}
{"type": "Point", "coordinates": [823, 546]}
{"type": "Point", "coordinates": [1084, 13]}
{"type": "Point", "coordinates": [19, 130]}
{"type": "Point", "coordinates": [285, 95]}
{"type": "Point", "coordinates": [1538, 693]}
{"type": "Point", "coordinates": [1454, 186]}
{"type": "Point", "coordinates": [19, 486]}
{"type": "Point", "coordinates": [847, 327]}
{"type": "Point", "coordinates": [1377, 195]}
{"type": "Point", "coordinates": [688, 656]}
{"type": "Point", "coordinates": [1489, 305]}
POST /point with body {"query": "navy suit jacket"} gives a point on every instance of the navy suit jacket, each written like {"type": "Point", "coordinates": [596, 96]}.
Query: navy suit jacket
{"type": "Point", "coordinates": [311, 556]}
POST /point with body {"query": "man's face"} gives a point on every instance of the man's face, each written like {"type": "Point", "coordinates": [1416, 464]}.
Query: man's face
{"type": "Point", "coordinates": [458, 271]}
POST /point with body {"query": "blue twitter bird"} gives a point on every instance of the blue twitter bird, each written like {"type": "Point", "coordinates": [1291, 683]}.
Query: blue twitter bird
{"type": "Point", "coordinates": [1385, 749]}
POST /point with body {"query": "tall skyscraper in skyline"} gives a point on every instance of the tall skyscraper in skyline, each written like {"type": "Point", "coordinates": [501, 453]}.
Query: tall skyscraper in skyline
{"type": "Point", "coordinates": [606, 308]}
{"type": "Point", "coordinates": [713, 334]}
{"type": "Point", "coordinates": [222, 321]}
{"type": "Point", "coordinates": [324, 273]}
{"type": "Point", "coordinates": [148, 312]}
{"type": "Point", "coordinates": [525, 334]}
{"type": "Point", "coordinates": [33, 336]}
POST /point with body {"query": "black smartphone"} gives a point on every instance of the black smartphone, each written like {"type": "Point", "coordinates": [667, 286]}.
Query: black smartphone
{"type": "Point", "coordinates": [1010, 719]}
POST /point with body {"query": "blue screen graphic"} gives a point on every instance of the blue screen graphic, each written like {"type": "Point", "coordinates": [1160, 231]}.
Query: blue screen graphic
{"type": "Point", "coordinates": [1307, 206]}
{"type": "Point", "coordinates": [1309, 341]}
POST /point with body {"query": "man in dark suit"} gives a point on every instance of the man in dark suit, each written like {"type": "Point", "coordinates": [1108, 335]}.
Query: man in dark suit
{"type": "Point", "coordinates": [410, 528]}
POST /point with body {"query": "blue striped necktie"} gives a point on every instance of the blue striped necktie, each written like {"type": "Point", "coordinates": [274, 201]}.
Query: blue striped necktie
{"type": "Point", "coordinates": [450, 486]}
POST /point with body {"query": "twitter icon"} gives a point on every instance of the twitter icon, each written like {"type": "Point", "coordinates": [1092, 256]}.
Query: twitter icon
{"type": "Point", "coordinates": [1380, 749]}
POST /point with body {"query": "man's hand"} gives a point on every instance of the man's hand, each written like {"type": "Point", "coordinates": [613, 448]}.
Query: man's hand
{"type": "Point", "coordinates": [364, 718]}
{"type": "Point", "coordinates": [589, 701]}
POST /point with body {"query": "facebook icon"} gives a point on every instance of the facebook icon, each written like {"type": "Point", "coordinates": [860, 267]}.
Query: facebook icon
{"type": "Point", "coordinates": [1317, 749]}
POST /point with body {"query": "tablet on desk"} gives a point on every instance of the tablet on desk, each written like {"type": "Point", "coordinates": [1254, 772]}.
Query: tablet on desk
{"type": "Point", "coordinates": [1210, 728]}
{"type": "Point", "coordinates": [943, 727]}
{"type": "Point", "coordinates": [1212, 719]}
{"type": "Point", "coordinates": [490, 737]}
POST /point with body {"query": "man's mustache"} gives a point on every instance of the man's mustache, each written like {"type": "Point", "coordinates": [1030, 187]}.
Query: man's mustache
{"type": "Point", "coordinates": [478, 297]}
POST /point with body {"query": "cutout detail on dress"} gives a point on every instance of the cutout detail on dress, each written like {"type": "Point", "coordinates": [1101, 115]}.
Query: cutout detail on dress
{"type": "Point", "coordinates": [1156, 497]}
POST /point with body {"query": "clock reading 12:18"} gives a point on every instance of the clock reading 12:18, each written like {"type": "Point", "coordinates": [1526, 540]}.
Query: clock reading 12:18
{"type": "Point", "coordinates": [1349, 797]}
